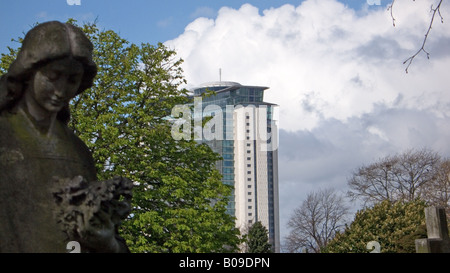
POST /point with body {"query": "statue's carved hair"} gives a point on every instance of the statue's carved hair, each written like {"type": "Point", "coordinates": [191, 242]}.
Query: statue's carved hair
{"type": "Point", "coordinates": [44, 43]}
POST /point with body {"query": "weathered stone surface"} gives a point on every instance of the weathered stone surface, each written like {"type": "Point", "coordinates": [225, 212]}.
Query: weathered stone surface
{"type": "Point", "coordinates": [90, 211]}
{"type": "Point", "coordinates": [41, 158]}
{"type": "Point", "coordinates": [437, 231]}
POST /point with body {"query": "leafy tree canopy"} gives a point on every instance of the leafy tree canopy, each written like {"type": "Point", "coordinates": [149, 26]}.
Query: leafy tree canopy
{"type": "Point", "coordinates": [179, 202]}
{"type": "Point", "coordinates": [395, 226]}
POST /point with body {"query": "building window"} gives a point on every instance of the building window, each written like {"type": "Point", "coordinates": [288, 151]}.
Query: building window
{"type": "Point", "coordinates": [249, 186]}
{"type": "Point", "coordinates": [250, 214]}
{"type": "Point", "coordinates": [249, 179]}
{"type": "Point", "coordinates": [249, 158]}
{"type": "Point", "coordinates": [249, 207]}
{"type": "Point", "coordinates": [228, 163]}
{"type": "Point", "coordinates": [228, 177]}
{"type": "Point", "coordinates": [228, 170]}
{"type": "Point", "coordinates": [249, 172]}
{"type": "Point", "coordinates": [228, 156]}
{"type": "Point", "coordinates": [249, 193]}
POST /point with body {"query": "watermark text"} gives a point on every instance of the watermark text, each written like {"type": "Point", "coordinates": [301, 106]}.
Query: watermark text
{"type": "Point", "coordinates": [73, 2]}
{"type": "Point", "coordinates": [374, 2]}
{"type": "Point", "coordinates": [242, 123]}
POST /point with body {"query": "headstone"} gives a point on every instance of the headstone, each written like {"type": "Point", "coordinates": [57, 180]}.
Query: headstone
{"type": "Point", "coordinates": [437, 231]}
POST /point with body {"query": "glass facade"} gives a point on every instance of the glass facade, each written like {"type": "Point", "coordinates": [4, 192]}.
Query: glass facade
{"type": "Point", "coordinates": [226, 94]}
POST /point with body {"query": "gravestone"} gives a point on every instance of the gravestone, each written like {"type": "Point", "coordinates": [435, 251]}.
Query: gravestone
{"type": "Point", "coordinates": [437, 231]}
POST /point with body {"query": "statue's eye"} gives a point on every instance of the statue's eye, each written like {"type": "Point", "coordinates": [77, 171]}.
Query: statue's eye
{"type": "Point", "coordinates": [53, 75]}
{"type": "Point", "coordinates": [73, 79]}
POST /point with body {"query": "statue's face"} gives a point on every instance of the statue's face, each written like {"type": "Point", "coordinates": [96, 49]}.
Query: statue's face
{"type": "Point", "coordinates": [56, 83]}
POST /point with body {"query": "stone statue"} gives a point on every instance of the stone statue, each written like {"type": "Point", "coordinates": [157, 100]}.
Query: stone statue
{"type": "Point", "coordinates": [49, 193]}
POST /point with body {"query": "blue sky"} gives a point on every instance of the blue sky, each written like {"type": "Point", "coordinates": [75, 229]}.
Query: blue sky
{"type": "Point", "coordinates": [136, 20]}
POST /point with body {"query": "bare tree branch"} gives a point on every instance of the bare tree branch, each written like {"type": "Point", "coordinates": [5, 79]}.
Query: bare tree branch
{"type": "Point", "coordinates": [434, 11]}
{"type": "Point", "coordinates": [316, 221]}
{"type": "Point", "coordinates": [391, 8]}
{"type": "Point", "coordinates": [402, 177]}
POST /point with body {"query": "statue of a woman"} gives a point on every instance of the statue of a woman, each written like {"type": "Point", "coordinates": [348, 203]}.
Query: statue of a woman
{"type": "Point", "coordinates": [48, 190]}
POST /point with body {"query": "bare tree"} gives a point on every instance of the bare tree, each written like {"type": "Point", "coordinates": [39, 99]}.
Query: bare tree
{"type": "Point", "coordinates": [375, 182]}
{"type": "Point", "coordinates": [437, 192]}
{"type": "Point", "coordinates": [435, 10]}
{"type": "Point", "coordinates": [315, 223]}
{"type": "Point", "coordinates": [414, 170]}
{"type": "Point", "coordinates": [399, 177]}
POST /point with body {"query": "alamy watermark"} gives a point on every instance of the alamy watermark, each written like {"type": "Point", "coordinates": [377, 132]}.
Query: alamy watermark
{"type": "Point", "coordinates": [73, 2]}
{"type": "Point", "coordinates": [248, 123]}
{"type": "Point", "coordinates": [374, 2]}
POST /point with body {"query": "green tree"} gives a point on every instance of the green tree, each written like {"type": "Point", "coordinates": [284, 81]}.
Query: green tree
{"type": "Point", "coordinates": [179, 202]}
{"type": "Point", "coordinates": [258, 239]}
{"type": "Point", "coordinates": [394, 226]}
{"type": "Point", "coordinates": [7, 59]}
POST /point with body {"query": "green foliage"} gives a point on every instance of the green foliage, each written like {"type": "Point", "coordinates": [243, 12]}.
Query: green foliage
{"type": "Point", "coordinates": [394, 225]}
{"type": "Point", "coordinates": [7, 59]}
{"type": "Point", "coordinates": [258, 239]}
{"type": "Point", "coordinates": [179, 199]}
{"type": "Point", "coordinates": [179, 202]}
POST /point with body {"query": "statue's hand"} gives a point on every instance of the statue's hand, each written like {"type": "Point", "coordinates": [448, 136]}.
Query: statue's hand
{"type": "Point", "coordinates": [91, 212]}
{"type": "Point", "coordinates": [99, 234]}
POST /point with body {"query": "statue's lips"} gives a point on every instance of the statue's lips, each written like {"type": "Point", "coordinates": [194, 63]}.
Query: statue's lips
{"type": "Point", "coordinates": [56, 102]}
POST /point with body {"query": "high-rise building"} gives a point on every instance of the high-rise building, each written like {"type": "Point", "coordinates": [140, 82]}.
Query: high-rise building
{"type": "Point", "coordinates": [244, 132]}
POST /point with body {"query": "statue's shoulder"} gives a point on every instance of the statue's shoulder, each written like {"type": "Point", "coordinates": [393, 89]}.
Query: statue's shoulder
{"type": "Point", "coordinates": [81, 147]}
{"type": "Point", "coordinates": [4, 115]}
{"type": "Point", "coordinates": [74, 138]}
{"type": "Point", "coordinates": [5, 123]}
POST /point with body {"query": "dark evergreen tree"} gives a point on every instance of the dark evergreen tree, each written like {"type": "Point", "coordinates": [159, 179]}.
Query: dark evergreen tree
{"type": "Point", "coordinates": [258, 239]}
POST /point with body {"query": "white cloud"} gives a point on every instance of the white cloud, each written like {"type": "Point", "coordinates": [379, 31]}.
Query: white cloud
{"type": "Point", "coordinates": [349, 62]}
{"type": "Point", "coordinates": [337, 74]}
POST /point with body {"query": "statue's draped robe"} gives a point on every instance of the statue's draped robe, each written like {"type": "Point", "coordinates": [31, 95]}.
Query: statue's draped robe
{"type": "Point", "coordinates": [31, 155]}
